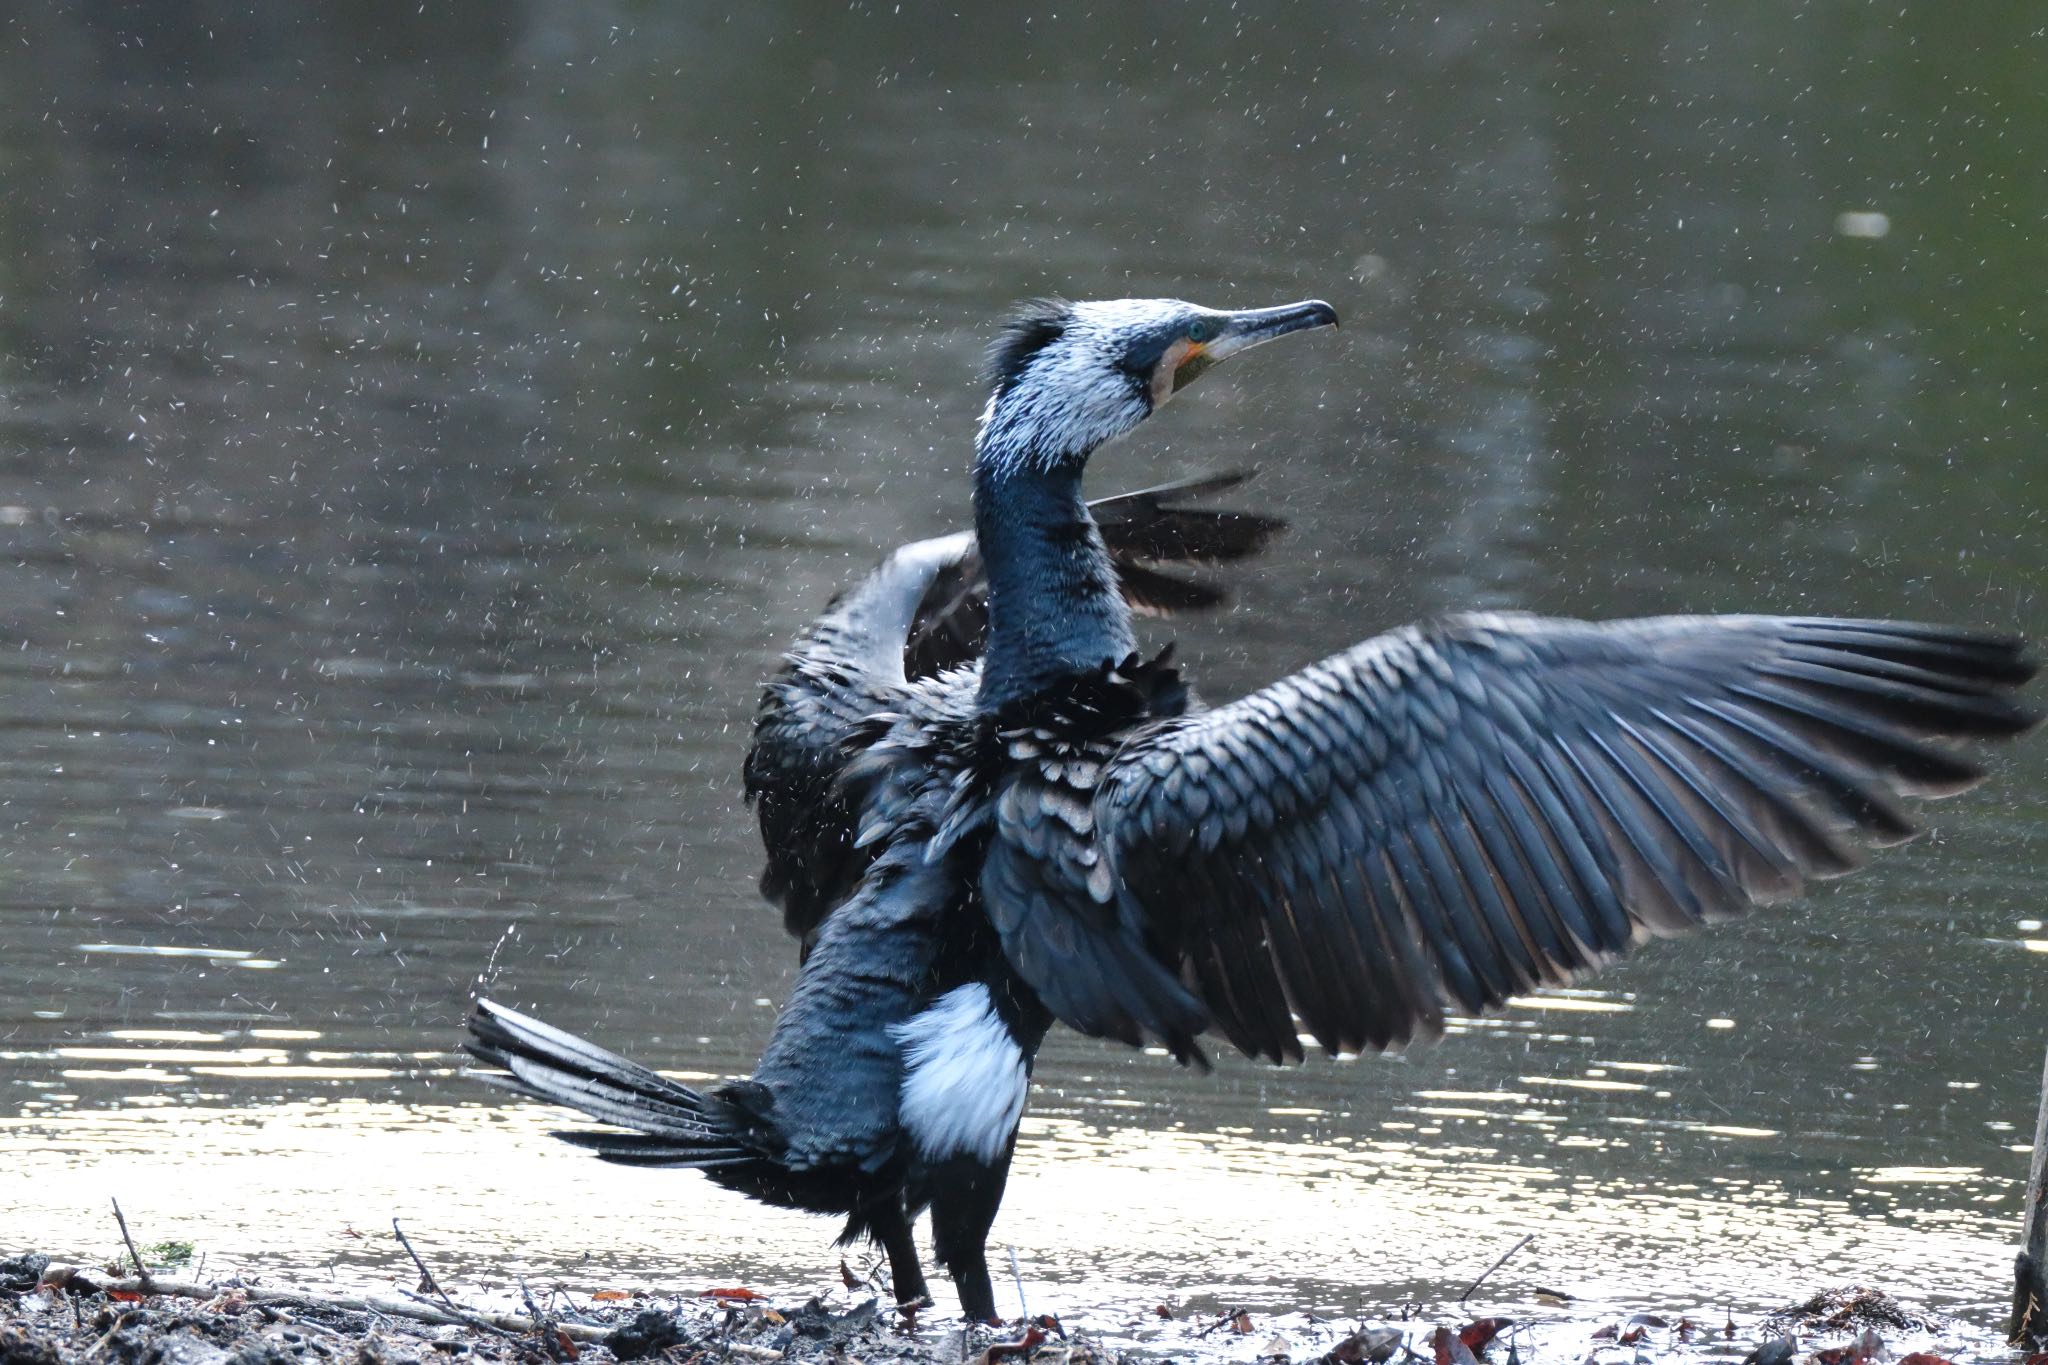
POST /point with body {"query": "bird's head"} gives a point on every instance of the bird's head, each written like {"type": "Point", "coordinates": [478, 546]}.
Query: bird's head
{"type": "Point", "coordinates": [1066, 377]}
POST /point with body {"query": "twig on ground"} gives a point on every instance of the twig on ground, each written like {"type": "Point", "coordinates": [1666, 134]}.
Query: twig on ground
{"type": "Point", "coordinates": [1225, 1320]}
{"type": "Point", "coordinates": [419, 1311]}
{"type": "Point", "coordinates": [308, 1325]}
{"type": "Point", "coordinates": [1473, 1287]}
{"type": "Point", "coordinates": [543, 1327]}
{"type": "Point", "coordinates": [122, 1321]}
{"type": "Point", "coordinates": [141, 1270]}
{"type": "Point", "coordinates": [725, 1331]}
{"type": "Point", "coordinates": [1023, 1309]}
{"type": "Point", "coordinates": [428, 1285]}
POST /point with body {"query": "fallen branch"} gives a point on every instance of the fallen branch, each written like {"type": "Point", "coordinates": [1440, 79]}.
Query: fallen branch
{"type": "Point", "coordinates": [301, 1299]}
{"type": "Point", "coordinates": [461, 1315]}
{"type": "Point", "coordinates": [2030, 1267]}
{"type": "Point", "coordinates": [421, 1311]}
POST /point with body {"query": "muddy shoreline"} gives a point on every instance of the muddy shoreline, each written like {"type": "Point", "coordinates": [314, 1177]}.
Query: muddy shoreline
{"type": "Point", "coordinates": [55, 1313]}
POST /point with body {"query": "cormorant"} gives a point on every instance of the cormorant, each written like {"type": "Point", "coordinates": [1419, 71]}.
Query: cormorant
{"type": "Point", "coordinates": [1433, 821]}
{"type": "Point", "coordinates": [920, 612]}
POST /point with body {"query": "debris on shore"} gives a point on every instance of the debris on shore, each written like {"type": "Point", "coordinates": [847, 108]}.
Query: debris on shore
{"type": "Point", "coordinates": [52, 1313]}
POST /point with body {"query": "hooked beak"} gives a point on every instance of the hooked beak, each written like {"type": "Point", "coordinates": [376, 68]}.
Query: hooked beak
{"type": "Point", "coordinates": [1252, 327]}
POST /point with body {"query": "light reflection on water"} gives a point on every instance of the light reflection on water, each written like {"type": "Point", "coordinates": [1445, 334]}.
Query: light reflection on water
{"type": "Point", "coordinates": [1652, 1183]}
{"type": "Point", "coordinates": [1116, 1204]}
{"type": "Point", "coordinates": [1099, 1213]}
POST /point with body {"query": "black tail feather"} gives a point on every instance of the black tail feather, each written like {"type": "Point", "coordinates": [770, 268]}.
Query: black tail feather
{"type": "Point", "coordinates": [669, 1124]}
{"type": "Point", "coordinates": [648, 1149]}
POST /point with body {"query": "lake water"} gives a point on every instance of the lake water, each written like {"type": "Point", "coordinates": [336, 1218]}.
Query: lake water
{"type": "Point", "coordinates": [420, 432]}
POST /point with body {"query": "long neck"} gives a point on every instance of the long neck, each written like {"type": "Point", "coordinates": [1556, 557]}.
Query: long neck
{"type": "Point", "coordinates": [1053, 605]}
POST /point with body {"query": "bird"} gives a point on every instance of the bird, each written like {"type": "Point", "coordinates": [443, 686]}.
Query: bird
{"type": "Point", "coordinates": [1057, 829]}
{"type": "Point", "coordinates": [920, 612]}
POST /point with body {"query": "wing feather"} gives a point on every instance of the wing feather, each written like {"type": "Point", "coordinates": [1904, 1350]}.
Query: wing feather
{"type": "Point", "coordinates": [1854, 798]}
{"type": "Point", "coordinates": [1451, 815]}
{"type": "Point", "coordinates": [921, 615]}
{"type": "Point", "coordinates": [1772, 792]}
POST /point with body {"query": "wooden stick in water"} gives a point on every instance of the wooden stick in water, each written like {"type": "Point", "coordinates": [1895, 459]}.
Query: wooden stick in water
{"type": "Point", "coordinates": [2030, 1267]}
{"type": "Point", "coordinates": [1473, 1287]}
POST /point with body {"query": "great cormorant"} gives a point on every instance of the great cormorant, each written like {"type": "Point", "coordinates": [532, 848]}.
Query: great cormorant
{"type": "Point", "coordinates": [1431, 822]}
{"type": "Point", "coordinates": [921, 612]}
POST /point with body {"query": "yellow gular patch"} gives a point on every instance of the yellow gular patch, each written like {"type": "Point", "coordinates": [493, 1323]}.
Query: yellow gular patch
{"type": "Point", "coordinates": [1183, 361]}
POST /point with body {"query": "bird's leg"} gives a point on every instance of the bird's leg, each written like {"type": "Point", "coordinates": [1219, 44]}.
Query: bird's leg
{"type": "Point", "coordinates": [906, 1276]}
{"type": "Point", "coordinates": [965, 1194]}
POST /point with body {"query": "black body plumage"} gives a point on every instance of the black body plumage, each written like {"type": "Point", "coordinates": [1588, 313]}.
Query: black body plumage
{"type": "Point", "coordinates": [1431, 822]}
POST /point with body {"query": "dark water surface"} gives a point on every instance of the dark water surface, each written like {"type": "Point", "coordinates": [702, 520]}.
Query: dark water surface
{"type": "Point", "coordinates": [421, 430]}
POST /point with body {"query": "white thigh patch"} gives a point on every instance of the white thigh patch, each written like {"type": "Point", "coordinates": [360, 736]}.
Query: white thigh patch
{"type": "Point", "coordinates": [963, 1077]}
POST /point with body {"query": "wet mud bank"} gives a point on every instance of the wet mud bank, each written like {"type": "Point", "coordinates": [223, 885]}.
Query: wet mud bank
{"type": "Point", "coordinates": [55, 1313]}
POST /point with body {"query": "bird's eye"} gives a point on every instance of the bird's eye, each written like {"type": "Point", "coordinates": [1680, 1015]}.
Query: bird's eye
{"type": "Point", "coordinates": [1201, 329]}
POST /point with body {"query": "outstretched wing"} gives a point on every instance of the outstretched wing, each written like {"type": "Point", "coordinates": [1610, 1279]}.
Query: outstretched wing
{"type": "Point", "coordinates": [1449, 815]}
{"type": "Point", "coordinates": [847, 667]}
{"type": "Point", "coordinates": [922, 611]}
